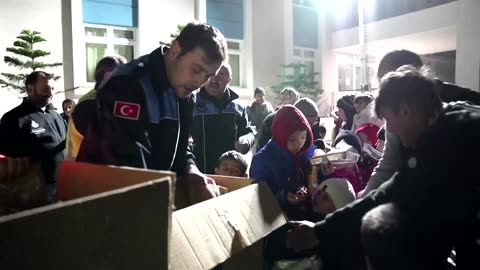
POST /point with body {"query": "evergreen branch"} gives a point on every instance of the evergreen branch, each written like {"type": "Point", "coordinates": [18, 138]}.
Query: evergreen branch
{"type": "Point", "coordinates": [14, 77]}
{"type": "Point", "coordinates": [21, 51]}
{"type": "Point", "coordinates": [13, 61]}
{"type": "Point", "coordinates": [21, 44]}
{"type": "Point", "coordinates": [39, 53]}
{"type": "Point", "coordinates": [53, 65]}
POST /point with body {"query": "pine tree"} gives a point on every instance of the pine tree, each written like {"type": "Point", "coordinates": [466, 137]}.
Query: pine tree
{"type": "Point", "coordinates": [25, 58]}
{"type": "Point", "coordinates": [295, 75]}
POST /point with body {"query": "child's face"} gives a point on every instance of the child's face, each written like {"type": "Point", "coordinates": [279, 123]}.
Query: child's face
{"type": "Point", "coordinates": [342, 114]}
{"type": "Point", "coordinates": [296, 141]}
{"type": "Point", "coordinates": [359, 106]}
{"type": "Point", "coordinates": [229, 167]}
{"type": "Point", "coordinates": [323, 203]}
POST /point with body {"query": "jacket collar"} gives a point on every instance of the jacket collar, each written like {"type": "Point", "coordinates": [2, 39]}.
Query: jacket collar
{"type": "Point", "coordinates": [29, 105]}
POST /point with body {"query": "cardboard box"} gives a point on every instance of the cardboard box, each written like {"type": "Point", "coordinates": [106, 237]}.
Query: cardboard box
{"type": "Point", "coordinates": [77, 179]}
{"type": "Point", "coordinates": [208, 233]}
{"type": "Point", "coordinates": [123, 229]}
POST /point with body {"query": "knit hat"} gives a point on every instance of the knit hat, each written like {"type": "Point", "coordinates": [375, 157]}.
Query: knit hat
{"type": "Point", "coordinates": [350, 138]}
{"type": "Point", "coordinates": [307, 107]}
{"type": "Point", "coordinates": [340, 190]}
{"type": "Point", "coordinates": [287, 120]}
{"type": "Point", "coordinates": [370, 130]}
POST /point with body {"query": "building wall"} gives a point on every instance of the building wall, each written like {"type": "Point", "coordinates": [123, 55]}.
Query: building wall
{"type": "Point", "coordinates": [17, 15]}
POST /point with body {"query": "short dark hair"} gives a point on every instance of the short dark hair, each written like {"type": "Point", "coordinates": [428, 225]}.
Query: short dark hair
{"type": "Point", "coordinates": [68, 101]}
{"type": "Point", "coordinates": [32, 78]}
{"type": "Point", "coordinates": [107, 64]}
{"type": "Point", "coordinates": [366, 98]}
{"type": "Point", "coordinates": [395, 59]}
{"type": "Point", "coordinates": [408, 86]}
{"type": "Point", "coordinates": [259, 90]}
{"type": "Point", "coordinates": [206, 37]}
{"type": "Point", "coordinates": [322, 129]}
{"type": "Point", "coordinates": [236, 156]}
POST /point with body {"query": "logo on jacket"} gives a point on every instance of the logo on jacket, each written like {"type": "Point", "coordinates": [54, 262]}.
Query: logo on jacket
{"type": "Point", "coordinates": [36, 129]}
{"type": "Point", "coordinates": [201, 106]}
{"type": "Point", "coordinates": [126, 110]}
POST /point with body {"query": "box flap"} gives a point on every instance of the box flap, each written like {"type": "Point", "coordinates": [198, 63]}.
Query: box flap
{"type": "Point", "coordinates": [77, 179]}
{"type": "Point", "coordinates": [230, 182]}
{"type": "Point", "coordinates": [208, 233]}
{"type": "Point", "coordinates": [122, 229]}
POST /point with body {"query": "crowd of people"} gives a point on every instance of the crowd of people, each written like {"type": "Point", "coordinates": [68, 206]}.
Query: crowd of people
{"type": "Point", "coordinates": [409, 199]}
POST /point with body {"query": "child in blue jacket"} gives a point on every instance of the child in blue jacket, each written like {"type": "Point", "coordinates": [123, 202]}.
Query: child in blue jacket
{"type": "Point", "coordinates": [283, 162]}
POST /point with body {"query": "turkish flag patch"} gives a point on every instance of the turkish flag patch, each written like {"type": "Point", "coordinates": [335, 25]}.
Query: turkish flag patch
{"type": "Point", "coordinates": [126, 110]}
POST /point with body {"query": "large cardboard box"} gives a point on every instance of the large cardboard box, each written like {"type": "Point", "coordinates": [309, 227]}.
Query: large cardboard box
{"type": "Point", "coordinates": [208, 233]}
{"type": "Point", "coordinates": [123, 229]}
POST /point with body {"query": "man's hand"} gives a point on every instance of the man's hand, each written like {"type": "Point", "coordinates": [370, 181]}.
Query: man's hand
{"type": "Point", "coordinates": [201, 187]}
{"type": "Point", "coordinates": [242, 146]}
{"type": "Point", "coordinates": [302, 236]}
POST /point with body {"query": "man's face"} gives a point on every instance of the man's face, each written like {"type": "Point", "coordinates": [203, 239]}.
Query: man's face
{"type": "Point", "coordinates": [260, 99]}
{"type": "Point", "coordinates": [217, 84]}
{"type": "Point", "coordinates": [404, 124]}
{"type": "Point", "coordinates": [41, 93]}
{"type": "Point", "coordinates": [229, 167]}
{"type": "Point", "coordinates": [296, 141]}
{"type": "Point", "coordinates": [67, 109]}
{"type": "Point", "coordinates": [191, 71]}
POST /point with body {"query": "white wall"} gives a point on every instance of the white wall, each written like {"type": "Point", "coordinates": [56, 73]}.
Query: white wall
{"type": "Point", "coordinates": [468, 45]}
{"type": "Point", "coordinates": [268, 20]}
{"type": "Point", "coordinates": [42, 16]}
{"type": "Point", "coordinates": [158, 19]}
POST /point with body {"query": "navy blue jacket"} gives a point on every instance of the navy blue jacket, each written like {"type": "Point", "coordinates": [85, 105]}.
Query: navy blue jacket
{"type": "Point", "coordinates": [217, 125]}
{"type": "Point", "coordinates": [140, 121]}
{"type": "Point", "coordinates": [27, 131]}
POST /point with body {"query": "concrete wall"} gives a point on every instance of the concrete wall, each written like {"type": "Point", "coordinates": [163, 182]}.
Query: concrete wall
{"type": "Point", "coordinates": [269, 39]}
{"type": "Point", "coordinates": [16, 15]}
{"type": "Point", "coordinates": [468, 45]}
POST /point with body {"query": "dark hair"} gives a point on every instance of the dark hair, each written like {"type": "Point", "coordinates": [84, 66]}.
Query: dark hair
{"type": "Point", "coordinates": [409, 87]}
{"type": "Point", "coordinates": [350, 138]}
{"type": "Point", "coordinates": [69, 101]}
{"type": "Point", "coordinates": [32, 78]}
{"type": "Point", "coordinates": [107, 64]}
{"type": "Point", "coordinates": [259, 90]}
{"type": "Point", "coordinates": [395, 59]}
{"type": "Point", "coordinates": [236, 156]}
{"type": "Point", "coordinates": [322, 129]}
{"type": "Point", "coordinates": [206, 37]}
{"type": "Point", "coordinates": [366, 98]}
{"type": "Point", "coordinates": [346, 104]}
{"type": "Point", "coordinates": [384, 237]}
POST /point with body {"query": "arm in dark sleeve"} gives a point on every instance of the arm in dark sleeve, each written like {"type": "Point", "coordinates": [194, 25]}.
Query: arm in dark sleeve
{"type": "Point", "coordinates": [244, 129]}
{"type": "Point", "coordinates": [10, 138]}
{"type": "Point", "coordinates": [265, 131]}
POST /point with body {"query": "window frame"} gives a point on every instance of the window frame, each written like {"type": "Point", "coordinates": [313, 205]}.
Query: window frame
{"type": "Point", "coordinates": [241, 60]}
{"type": "Point", "coordinates": [109, 40]}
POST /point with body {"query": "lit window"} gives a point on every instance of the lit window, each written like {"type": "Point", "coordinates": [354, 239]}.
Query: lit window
{"type": "Point", "coordinates": [235, 61]}
{"type": "Point", "coordinates": [103, 40]}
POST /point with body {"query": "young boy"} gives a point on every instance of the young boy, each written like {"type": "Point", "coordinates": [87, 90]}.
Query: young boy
{"type": "Point", "coordinates": [332, 194]}
{"type": "Point", "coordinates": [365, 113]}
{"type": "Point", "coordinates": [283, 161]}
{"type": "Point", "coordinates": [232, 163]}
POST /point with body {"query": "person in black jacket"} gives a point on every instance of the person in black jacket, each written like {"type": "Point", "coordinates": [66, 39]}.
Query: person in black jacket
{"type": "Point", "coordinates": [436, 185]}
{"type": "Point", "coordinates": [144, 110]}
{"type": "Point", "coordinates": [35, 130]}
{"type": "Point", "coordinates": [220, 123]}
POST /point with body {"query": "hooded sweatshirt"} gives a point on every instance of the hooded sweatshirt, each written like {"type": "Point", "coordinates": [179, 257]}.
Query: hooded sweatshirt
{"type": "Point", "coordinates": [365, 116]}
{"type": "Point", "coordinates": [283, 171]}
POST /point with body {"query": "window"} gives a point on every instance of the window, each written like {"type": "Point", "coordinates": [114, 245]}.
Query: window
{"type": "Point", "coordinates": [235, 61]}
{"type": "Point", "coordinates": [349, 72]}
{"type": "Point", "coordinates": [103, 40]}
{"type": "Point", "coordinates": [307, 57]}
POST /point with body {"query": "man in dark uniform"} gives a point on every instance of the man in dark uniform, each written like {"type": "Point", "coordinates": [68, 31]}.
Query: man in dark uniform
{"type": "Point", "coordinates": [145, 107]}
{"type": "Point", "coordinates": [220, 123]}
{"type": "Point", "coordinates": [34, 129]}
{"type": "Point", "coordinates": [437, 186]}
